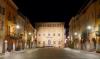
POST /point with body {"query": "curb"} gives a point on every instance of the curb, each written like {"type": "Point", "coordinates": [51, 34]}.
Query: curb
{"type": "Point", "coordinates": [13, 52]}
{"type": "Point", "coordinates": [90, 52]}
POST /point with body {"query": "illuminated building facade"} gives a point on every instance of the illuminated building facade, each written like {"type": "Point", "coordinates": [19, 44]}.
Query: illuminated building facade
{"type": "Point", "coordinates": [8, 11]}
{"type": "Point", "coordinates": [13, 27]}
{"type": "Point", "coordinates": [87, 26]}
{"type": "Point", "coordinates": [50, 34]}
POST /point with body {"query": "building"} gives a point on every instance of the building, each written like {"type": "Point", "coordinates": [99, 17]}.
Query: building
{"type": "Point", "coordinates": [13, 27]}
{"type": "Point", "coordinates": [84, 27]}
{"type": "Point", "coordinates": [25, 33]}
{"type": "Point", "coordinates": [30, 34]}
{"type": "Point", "coordinates": [50, 34]}
{"type": "Point", "coordinates": [19, 31]}
{"type": "Point", "coordinates": [8, 11]}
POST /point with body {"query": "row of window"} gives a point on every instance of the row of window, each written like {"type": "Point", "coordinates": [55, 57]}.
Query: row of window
{"type": "Point", "coordinates": [54, 42]}
{"type": "Point", "coordinates": [49, 25]}
{"type": "Point", "coordinates": [49, 34]}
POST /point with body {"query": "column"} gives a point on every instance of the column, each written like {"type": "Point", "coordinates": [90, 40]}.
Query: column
{"type": "Point", "coordinates": [98, 44]}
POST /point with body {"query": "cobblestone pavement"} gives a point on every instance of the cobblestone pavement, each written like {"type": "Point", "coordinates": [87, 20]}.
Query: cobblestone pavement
{"type": "Point", "coordinates": [51, 53]}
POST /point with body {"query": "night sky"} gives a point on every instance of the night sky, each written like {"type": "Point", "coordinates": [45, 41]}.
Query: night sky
{"type": "Point", "coordinates": [50, 10]}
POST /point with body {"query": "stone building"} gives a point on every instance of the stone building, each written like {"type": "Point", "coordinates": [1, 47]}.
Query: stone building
{"type": "Point", "coordinates": [50, 34]}
{"type": "Point", "coordinates": [8, 11]}
{"type": "Point", "coordinates": [12, 27]}
{"type": "Point", "coordinates": [30, 34]}
{"type": "Point", "coordinates": [86, 26]}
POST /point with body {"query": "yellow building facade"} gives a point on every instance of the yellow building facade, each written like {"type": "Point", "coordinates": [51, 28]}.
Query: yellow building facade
{"type": "Point", "coordinates": [86, 24]}
{"type": "Point", "coordinates": [13, 27]}
{"type": "Point", "coordinates": [30, 34]}
{"type": "Point", "coordinates": [8, 12]}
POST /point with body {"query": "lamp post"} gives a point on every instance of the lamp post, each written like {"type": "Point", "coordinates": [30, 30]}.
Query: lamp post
{"type": "Point", "coordinates": [75, 41]}
{"type": "Point", "coordinates": [29, 39]}
{"type": "Point", "coordinates": [17, 28]}
{"type": "Point", "coordinates": [17, 35]}
{"type": "Point", "coordinates": [88, 30]}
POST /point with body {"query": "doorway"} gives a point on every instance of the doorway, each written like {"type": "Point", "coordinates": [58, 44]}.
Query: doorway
{"type": "Point", "coordinates": [49, 42]}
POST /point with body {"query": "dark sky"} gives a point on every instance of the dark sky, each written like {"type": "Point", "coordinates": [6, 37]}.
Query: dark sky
{"type": "Point", "coordinates": [50, 10]}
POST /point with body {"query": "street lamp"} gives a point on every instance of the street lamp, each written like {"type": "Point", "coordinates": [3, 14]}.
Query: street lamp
{"type": "Point", "coordinates": [29, 33]}
{"type": "Point", "coordinates": [88, 30]}
{"type": "Point", "coordinates": [89, 27]}
{"type": "Point", "coordinates": [75, 33]}
{"type": "Point", "coordinates": [68, 37]}
{"type": "Point", "coordinates": [6, 41]}
{"type": "Point", "coordinates": [17, 30]}
{"type": "Point", "coordinates": [17, 26]}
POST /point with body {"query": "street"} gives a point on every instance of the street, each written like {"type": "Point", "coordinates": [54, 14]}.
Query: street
{"type": "Point", "coordinates": [51, 53]}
